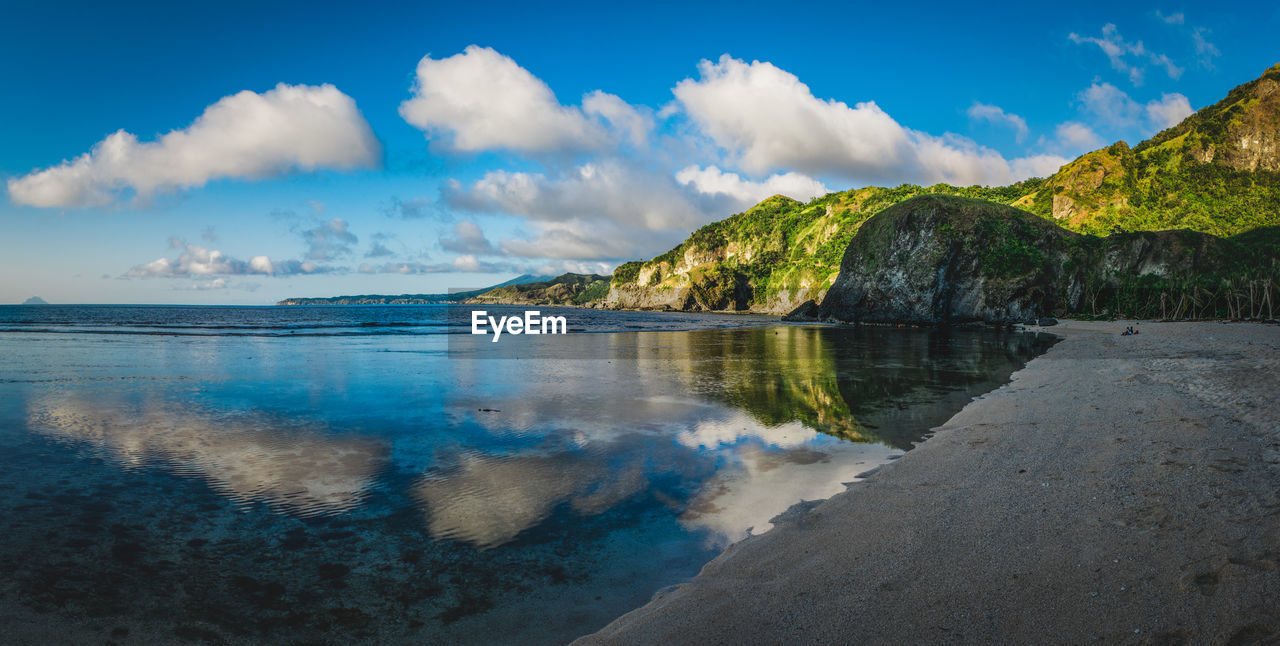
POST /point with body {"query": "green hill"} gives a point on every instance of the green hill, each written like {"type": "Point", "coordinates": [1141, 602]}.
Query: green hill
{"type": "Point", "coordinates": [945, 259]}
{"type": "Point", "coordinates": [1217, 172]}
{"type": "Point", "coordinates": [565, 289]}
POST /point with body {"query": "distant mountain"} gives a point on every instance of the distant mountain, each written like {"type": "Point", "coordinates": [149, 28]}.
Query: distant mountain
{"type": "Point", "coordinates": [1217, 172]}
{"type": "Point", "coordinates": [565, 289]}
{"type": "Point", "coordinates": [411, 299]}
{"type": "Point", "coordinates": [35, 300]}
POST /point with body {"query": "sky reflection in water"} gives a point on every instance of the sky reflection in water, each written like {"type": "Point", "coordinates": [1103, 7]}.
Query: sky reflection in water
{"type": "Point", "coordinates": [484, 491]}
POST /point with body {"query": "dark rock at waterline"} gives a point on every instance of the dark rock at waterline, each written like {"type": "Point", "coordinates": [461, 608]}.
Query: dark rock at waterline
{"type": "Point", "coordinates": [1047, 321]}
{"type": "Point", "coordinates": [806, 311]}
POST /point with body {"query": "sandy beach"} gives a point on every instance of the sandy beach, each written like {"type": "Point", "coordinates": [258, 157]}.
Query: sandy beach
{"type": "Point", "coordinates": [1120, 489]}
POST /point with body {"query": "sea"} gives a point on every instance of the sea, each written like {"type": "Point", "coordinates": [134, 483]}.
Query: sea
{"type": "Point", "coordinates": [378, 474]}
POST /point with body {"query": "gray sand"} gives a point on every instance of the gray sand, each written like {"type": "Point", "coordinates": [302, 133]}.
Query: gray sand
{"type": "Point", "coordinates": [1120, 489]}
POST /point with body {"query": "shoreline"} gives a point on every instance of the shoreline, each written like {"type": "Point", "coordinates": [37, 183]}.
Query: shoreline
{"type": "Point", "coordinates": [1118, 489]}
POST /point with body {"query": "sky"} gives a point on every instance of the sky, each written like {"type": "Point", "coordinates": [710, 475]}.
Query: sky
{"type": "Point", "coordinates": [246, 152]}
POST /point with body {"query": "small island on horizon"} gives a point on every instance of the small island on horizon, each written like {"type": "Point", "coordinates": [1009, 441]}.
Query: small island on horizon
{"type": "Point", "coordinates": [35, 300]}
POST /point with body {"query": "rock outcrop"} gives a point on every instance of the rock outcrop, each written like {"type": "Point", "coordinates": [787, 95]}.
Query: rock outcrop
{"type": "Point", "coordinates": [950, 260]}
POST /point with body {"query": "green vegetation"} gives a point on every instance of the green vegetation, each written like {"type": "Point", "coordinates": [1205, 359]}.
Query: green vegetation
{"type": "Point", "coordinates": [1195, 175]}
{"type": "Point", "coordinates": [594, 291]}
{"type": "Point", "coordinates": [1201, 174]}
{"type": "Point", "coordinates": [765, 256]}
{"type": "Point", "coordinates": [1228, 278]}
{"type": "Point", "coordinates": [565, 289]}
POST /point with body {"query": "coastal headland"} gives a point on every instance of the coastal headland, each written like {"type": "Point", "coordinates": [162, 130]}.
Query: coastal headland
{"type": "Point", "coordinates": [1121, 489]}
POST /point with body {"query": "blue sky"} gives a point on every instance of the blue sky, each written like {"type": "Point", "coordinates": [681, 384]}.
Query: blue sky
{"type": "Point", "coordinates": [246, 152]}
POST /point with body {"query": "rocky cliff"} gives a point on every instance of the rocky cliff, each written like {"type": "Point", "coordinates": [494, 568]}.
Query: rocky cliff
{"type": "Point", "coordinates": [942, 259]}
{"type": "Point", "coordinates": [771, 257]}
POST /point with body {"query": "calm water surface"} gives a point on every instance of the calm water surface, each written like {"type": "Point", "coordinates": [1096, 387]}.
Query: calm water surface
{"type": "Point", "coordinates": [345, 474]}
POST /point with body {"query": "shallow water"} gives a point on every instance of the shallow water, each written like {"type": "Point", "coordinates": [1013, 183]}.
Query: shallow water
{"type": "Point", "coordinates": [185, 474]}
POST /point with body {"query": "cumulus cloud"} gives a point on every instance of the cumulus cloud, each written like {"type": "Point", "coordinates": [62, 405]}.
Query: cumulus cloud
{"type": "Point", "coordinates": [995, 114]}
{"type": "Point", "coordinates": [484, 100]}
{"type": "Point", "coordinates": [1168, 111]}
{"type": "Point", "coordinates": [467, 238]}
{"type": "Point", "coordinates": [1171, 19]}
{"type": "Point", "coordinates": [713, 181]}
{"type": "Point", "coordinates": [329, 240]}
{"type": "Point", "coordinates": [200, 261]}
{"type": "Point", "coordinates": [1110, 105]}
{"type": "Point", "coordinates": [1115, 109]}
{"type": "Point", "coordinates": [635, 122]}
{"type": "Point", "coordinates": [608, 189]}
{"type": "Point", "coordinates": [1038, 165]}
{"type": "Point", "coordinates": [590, 240]}
{"type": "Point", "coordinates": [1126, 57]}
{"type": "Point", "coordinates": [767, 119]}
{"type": "Point", "coordinates": [1076, 136]}
{"type": "Point", "coordinates": [246, 135]}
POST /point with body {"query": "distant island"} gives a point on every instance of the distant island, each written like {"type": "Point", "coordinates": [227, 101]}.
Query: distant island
{"type": "Point", "coordinates": [35, 300]}
{"type": "Point", "coordinates": [588, 290]}
{"type": "Point", "coordinates": [412, 299]}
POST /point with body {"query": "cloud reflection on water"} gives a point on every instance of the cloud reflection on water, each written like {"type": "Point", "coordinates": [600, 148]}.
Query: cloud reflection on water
{"type": "Point", "coordinates": [247, 457]}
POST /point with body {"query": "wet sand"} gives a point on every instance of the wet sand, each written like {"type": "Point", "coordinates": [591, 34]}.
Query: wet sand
{"type": "Point", "coordinates": [1119, 490]}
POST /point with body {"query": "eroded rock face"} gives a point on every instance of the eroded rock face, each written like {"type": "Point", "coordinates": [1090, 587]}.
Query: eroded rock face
{"type": "Point", "coordinates": [636, 297]}
{"type": "Point", "coordinates": [937, 259]}
{"type": "Point", "coordinates": [947, 260]}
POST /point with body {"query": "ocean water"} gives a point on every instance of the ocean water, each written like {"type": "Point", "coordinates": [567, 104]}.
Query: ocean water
{"type": "Point", "coordinates": [373, 474]}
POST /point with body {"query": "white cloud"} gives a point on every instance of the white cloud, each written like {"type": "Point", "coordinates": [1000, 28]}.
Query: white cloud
{"type": "Point", "coordinates": [768, 120]}
{"type": "Point", "coordinates": [1171, 19]}
{"type": "Point", "coordinates": [487, 101]}
{"type": "Point", "coordinates": [1169, 111]}
{"type": "Point", "coordinates": [1038, 165]}
{"type": "Point", "coordinates": [216, 283]}
{"type": "Point", "coordinates": [467, 238]}
{"type": "Point", "coordinates": [1077, 136]}
{"type": "Point", "coordinates": [995, 114]}
{"type": "Point", "coordinates": [200, 261]}
{"type": "Point", "coordinates": [1111, 106]}
{"type": "Point", "coordinates": [1205, 50]}
{"type": "Point", "coordinates": [1115, 109]}
{"type": "Point", "coordinates": [622, 116]}
{"type": "Point", "coordinates": [584, 239]}
{"type": "Point", "coordinates": [557, 267]}
{"type": "Point", "coordinates": [329, 240]}
{"type": "Point", "coordinates": [612, 189]}
{"type": "Point", "coordinates": [463, 263]}
{"type": "Point", "coordinates": [713, 181]}
{"type": "Point", "coordinates": [245, 135]}
{"type": "Point", "coordinates": [1118, 51]}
